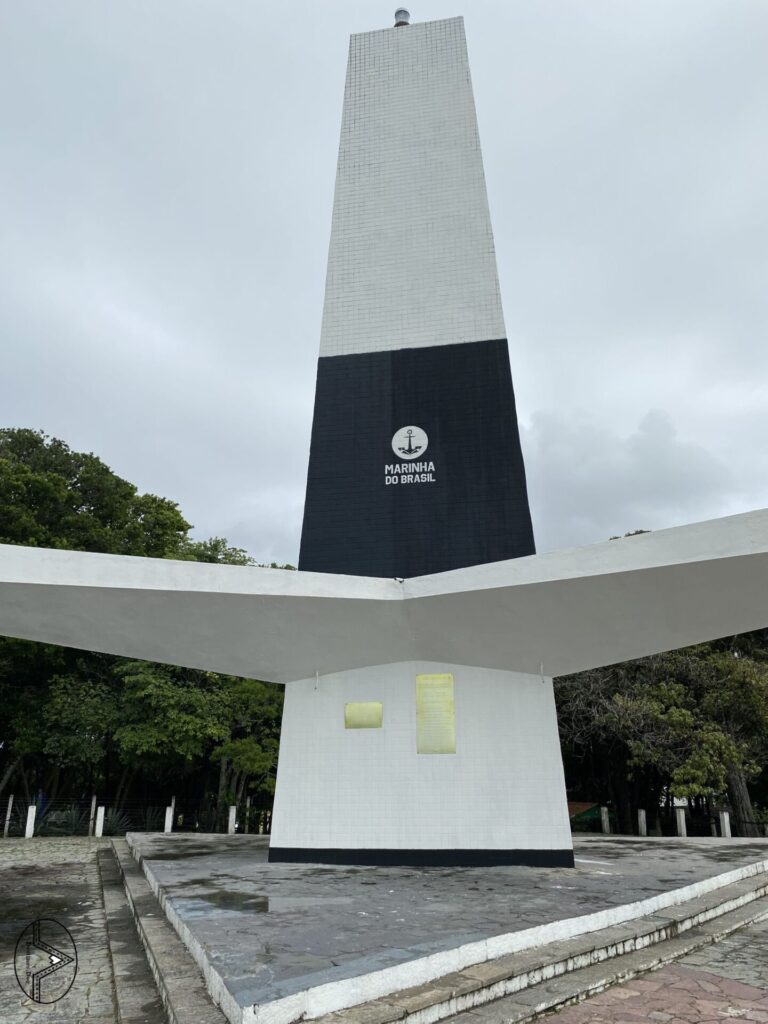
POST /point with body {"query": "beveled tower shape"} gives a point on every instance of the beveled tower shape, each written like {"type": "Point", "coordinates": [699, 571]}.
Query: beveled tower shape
{"type": "Point", "coordinates": [415, 468]}
{"type": "Point", "coordinates": [413, 332]}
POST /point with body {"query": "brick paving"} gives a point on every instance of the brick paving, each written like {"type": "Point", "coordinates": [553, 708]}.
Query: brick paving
{"type": "Point", "coordinates": [725, 981]}
{"type": "Point", "coordinates": [717, 983]}
{"type": "Point", "coordinates": [673, 994]}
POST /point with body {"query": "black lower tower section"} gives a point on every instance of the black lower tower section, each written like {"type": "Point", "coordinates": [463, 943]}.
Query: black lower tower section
{"type": "Point", "coordinates": [461, 501]}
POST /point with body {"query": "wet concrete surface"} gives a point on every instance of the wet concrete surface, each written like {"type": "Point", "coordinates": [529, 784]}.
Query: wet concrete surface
{"type": "Point", "coordinates": [273, 929]}
{"type": "Point", "coordinates": [59, 879]}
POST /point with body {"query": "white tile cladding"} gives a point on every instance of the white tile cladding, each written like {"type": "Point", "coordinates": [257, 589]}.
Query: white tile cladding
{"type": "Point", "coordinates": [411, 260]}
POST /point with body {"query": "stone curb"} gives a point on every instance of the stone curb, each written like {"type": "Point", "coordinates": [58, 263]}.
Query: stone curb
{"type": "Point", "coordinates": [181, 985]}
{"type": "Point", "coordinates": [541, 980]}
{"type": "Point", "coordinates": [136, 995]}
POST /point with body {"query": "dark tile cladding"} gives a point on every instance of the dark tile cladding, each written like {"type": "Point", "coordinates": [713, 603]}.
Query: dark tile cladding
{"type": "Point", "coordinates": [424, 858]}
{"type": "Point", "coordinates": [476, 510]}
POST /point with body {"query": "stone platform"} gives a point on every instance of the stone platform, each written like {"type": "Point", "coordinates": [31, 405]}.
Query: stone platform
{"type": "Point", "coordinates": [276, 941]}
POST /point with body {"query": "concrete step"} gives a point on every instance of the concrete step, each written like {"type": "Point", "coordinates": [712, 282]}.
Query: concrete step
{"type": "Point", "coordinates": [579, 985]}
{"type": "Point", "coordinates": [539, 979]}
{"type": "Point", "coordinates": [137, 997]}
{"type": "Point", "coordinates": [180, 983]}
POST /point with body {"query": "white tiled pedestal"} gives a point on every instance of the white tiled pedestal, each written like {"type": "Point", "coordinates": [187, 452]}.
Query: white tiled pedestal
{"type": "Point", "coordinates": [366, 795]}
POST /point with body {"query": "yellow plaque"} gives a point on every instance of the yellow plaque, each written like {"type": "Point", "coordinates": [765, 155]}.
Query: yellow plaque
{"type": "Point", "coordinates": [435, 715]}
{"type": "Point", "coordinates": [363, 715]}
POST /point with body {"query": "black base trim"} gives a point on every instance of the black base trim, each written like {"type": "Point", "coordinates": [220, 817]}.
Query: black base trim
{"type": "Point", "coordinates": [424, 858]}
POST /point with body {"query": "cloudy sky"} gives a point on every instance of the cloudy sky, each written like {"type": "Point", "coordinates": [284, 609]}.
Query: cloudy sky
{"type": "Point", "coordinates": [166, 180]}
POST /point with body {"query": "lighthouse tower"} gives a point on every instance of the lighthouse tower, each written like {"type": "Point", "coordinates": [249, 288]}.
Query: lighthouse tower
{"type": "Point", "coordinates": [415, 468]}
{"type": "Point", "coordinates": [415, 464]}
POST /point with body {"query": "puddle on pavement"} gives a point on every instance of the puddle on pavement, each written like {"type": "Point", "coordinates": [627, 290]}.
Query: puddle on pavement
{"type": "Point", "coordinates": [178, 854]}
{"type": "Point", "coordinates": [36, 905]}
{"type": "Point", "coordinates": [226, 899]}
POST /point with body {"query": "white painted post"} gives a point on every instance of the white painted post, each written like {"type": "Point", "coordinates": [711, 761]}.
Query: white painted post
{"type": "Point", "coordinates": [30, 829]}
{"type": "Point", "coordinates": [248, 814]}
{"type": "Point", "coordinates": [99, 829]}
{"type": "Point", "coordinates": [168, 820]}
{"type": "Point", "coordinates": [642, 824]}
{"type": "Point", "coordinates": [92, 818]}
{"type": "Point", "coordinates": [680, 816]}
{"type": "Point", "coordinates": [605, 820]}
{"type": "Point", "coordinates": [231, 823]}
{"type": "Point", "coordinates": [7, 817]}
{"type": "Point", "coordinates": [725, 824]}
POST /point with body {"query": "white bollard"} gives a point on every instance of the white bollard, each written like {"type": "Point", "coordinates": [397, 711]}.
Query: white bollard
{"type": "Point", "coordinates": [168, 820]}
{"type": "Point", "coordinates": [99, 827]}
{"type": "Point", "coordinates": [605, 820]}
{"type": "Point", "coordinates": [30, 829]}
{"type": "Point", "coordinates": [725, 824]}
{"type": "Point", "coordinates": [680, 817]}
{"type": "Point", "coordinates": [231, 823]}
{"type": "Point", "coordinates": [642, 824]}
{"type": "Point", "coordinates": [8, 817]}
{"type": "Point", "coordinates": [92, 818]}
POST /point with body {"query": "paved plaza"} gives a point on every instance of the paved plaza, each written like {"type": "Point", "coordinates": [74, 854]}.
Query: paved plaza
{"type": "Point", "coordinates": [266, 921]}
{"type": "Point", "coordinates": [61, 879]}
{"type": "Point", "coordinates": [271, 930]}
{"type": "Point", "coordinates": [56, 878]}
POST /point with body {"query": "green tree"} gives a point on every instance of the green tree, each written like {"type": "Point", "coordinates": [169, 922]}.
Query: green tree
{"type": "Point", "coordinates": [53, 497]}
{"type": "Point", "coordinates": [248, 758]}
{"type": "Point", "coordinates": [215, 549]}
{"type": "Point", "coordinates": [87, 720]}
{"type": "Point", "coordinates": [692, 722]}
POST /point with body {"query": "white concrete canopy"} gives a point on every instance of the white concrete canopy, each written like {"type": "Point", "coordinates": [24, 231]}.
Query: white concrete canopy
{"type": "Point", "coordinates": [549, 614]}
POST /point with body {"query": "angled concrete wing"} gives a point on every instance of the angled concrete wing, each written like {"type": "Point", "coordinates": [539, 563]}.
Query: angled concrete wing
{"type": "Point", "coordinates": [550, 614]}
{"type": "Point", "coordinates": [567, 611]}
{"type": "Point", "coordinates": [269, 624]}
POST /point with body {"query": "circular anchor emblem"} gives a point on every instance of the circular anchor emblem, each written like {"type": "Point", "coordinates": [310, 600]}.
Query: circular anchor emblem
{"type": "Point", "coordinates": [409, 442]}
{"type": "Point", "coordinates": [45, 960]}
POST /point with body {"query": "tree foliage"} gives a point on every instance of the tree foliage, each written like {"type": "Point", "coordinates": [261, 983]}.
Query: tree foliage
{"type": "Point", "coordinates": [691, 723]}
{"type": "Point", "coordinates": [79, 721]}
{"type": "Point", "coordinates": [53, 497]}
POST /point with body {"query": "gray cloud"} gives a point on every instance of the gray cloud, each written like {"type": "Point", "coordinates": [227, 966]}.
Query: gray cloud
{"type": "Point", "coordinates": [587, 482]}
{"type": "Point", "coordinates": [166, 179]}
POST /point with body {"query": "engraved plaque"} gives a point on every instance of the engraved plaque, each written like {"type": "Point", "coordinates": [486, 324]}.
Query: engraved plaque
{"type": "Point", "coordinates": [435, 715]}
{"type": "Point", "coordinates": [363, 715]}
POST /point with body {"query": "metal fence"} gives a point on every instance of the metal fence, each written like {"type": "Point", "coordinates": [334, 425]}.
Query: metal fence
{"type": "Point", "coordinates": [70, 816]}
{"type": "Point", "coordinates": [665, 823]}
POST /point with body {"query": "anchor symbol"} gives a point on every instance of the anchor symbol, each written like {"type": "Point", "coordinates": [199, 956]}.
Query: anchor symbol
{"type": "Point", "coordinates": [411, 449]}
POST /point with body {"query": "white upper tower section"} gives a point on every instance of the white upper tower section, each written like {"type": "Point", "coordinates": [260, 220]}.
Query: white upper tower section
{"type": "Point", "coordinates": [411, 260]}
